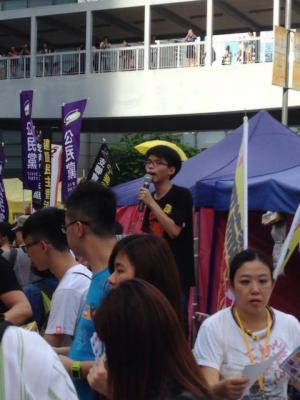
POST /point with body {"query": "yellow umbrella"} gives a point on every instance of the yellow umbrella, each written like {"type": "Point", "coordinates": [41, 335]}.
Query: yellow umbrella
{"type": "Point", "coordinates": [145, 146]}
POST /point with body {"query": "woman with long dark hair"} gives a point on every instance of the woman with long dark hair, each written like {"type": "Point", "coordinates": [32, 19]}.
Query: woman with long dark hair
{"type": "Point", "coordinates": [147, 257]}
{"type": "Point", "coordinates": [148, 357]}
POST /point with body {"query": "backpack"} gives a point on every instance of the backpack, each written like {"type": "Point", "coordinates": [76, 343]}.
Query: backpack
{"type": "Point", "coordinates": [39, 294]}
{"type": "Point", "coordinates": [12, 256]}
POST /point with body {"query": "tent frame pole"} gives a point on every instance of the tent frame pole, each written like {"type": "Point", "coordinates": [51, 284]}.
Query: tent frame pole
{"type": "Point", "coordinates": [285, 91]}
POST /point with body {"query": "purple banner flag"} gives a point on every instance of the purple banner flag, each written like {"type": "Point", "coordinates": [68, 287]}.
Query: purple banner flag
{"type": "Point", "coordinates": [71, 125]}
{"type": "Point", "coordinates": [3, 201]}
{"type": "Point", "coordinates": [29, 143]}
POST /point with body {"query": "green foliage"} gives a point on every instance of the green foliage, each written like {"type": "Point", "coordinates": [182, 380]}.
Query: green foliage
{"type": "Point", "coordinates": [131, 162]}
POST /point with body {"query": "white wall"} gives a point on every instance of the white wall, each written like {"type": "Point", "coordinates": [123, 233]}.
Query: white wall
{"type": "Point", "coordinates": [151, 93]}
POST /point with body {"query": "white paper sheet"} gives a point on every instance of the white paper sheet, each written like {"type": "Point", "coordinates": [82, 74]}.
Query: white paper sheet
{"type": "Point", "coordinates": [254, 371]}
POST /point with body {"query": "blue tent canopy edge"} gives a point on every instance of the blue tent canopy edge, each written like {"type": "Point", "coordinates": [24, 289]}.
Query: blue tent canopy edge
{"type": "Point", "coordinates": [273, 170]}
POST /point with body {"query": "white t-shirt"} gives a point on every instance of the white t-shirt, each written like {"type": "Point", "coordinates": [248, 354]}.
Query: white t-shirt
{"type": "Point", "coordinates": [68, 300]}
{"type": "Point", "coordinates": [31, 370]}
{"type": "Point", "coordinates": [220, 345]}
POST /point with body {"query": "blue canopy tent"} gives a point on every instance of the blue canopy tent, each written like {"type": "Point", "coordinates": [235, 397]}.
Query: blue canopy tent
{"type": "Point", "coordinates": [273, 170]}
{"type": "Point", "coordinates": [273, 183]}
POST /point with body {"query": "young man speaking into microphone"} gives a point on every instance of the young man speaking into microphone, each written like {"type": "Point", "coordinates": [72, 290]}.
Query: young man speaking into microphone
{"type": "Point", "coordinates": [169, 213]}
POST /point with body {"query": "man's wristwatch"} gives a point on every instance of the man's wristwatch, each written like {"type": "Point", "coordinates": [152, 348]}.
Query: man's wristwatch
{"type": "Point", "coordinates": [75, 370]}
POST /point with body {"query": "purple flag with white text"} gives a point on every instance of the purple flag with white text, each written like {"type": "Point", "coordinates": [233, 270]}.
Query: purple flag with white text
{"type": "Point", "coordinates": [3, 201]}
{"type": "Point", "coordinates": [71, 125]}
{"type": "Point", "coordinates": [29, 143]}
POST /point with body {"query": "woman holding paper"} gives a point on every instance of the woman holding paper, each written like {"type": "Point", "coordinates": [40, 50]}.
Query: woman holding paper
{"type": "Point", "coordinates": [247, 333]}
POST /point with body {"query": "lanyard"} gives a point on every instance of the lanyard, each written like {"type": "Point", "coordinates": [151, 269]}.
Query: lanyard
{"type": "Point", "coordinates": [264, 351]}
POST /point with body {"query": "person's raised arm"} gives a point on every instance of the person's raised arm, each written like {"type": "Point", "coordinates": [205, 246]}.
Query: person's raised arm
{"type": "Point", "coordinates": [97, 377]}
{"type": "Point", "coordinates": [167, 223]}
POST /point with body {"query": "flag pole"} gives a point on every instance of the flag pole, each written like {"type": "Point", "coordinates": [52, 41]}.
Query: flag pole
{"type": "Point", "coordinates": [245, 139]}
{"type": "Point", "coordinates": [285, 90]}
{"type": "Point", "coordinates": [23, 200]}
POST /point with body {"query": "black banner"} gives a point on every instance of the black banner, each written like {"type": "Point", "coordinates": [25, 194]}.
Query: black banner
{"type": "Point", "coordinates": [104, 167]}
{"type": "Point", "coordinates": [46, 170]}
{"type": "Point", "coordinates": [37, 195]}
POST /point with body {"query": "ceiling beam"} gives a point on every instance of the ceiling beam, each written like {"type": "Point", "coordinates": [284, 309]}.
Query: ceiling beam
{"type": "Point", "coordinates": [113, 20]}
{"type": "Point", "coordinates": [238, 15]}
{"type": "Point", "coordinates": [14, 33]}
{"type": "Point", "coordinates": [178, 20]}
{"type": "Point", "coordinates": [64, 27]}
{"type": "Point", "coordinates": [6, 29]}
{"type": "Point", "coordinates": [80, 33]}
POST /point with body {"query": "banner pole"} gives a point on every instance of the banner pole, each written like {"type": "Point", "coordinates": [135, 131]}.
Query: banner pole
{"type": "Point", "coordinates": [23, 200]}
{"type": "Point", "coordinates": [285, 91]}
{"type": "Point", "coordinates": [245, 138]}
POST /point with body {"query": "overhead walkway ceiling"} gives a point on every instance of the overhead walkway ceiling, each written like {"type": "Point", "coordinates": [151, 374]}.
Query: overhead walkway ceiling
{"type": "Point", "coordinates": [168, 21]}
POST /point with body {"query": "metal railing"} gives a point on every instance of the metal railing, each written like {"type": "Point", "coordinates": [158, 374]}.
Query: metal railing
{"type": "Point", "coordinates": [177, 55]}
{"type": "Point", "coordinates": [244, 51]}
{"type": "Point", "coordinates": [58, 64]}
{"type": "Point", "coordinates": [119, 59]}
{"type": "Point", "coordinates": [14, 67]}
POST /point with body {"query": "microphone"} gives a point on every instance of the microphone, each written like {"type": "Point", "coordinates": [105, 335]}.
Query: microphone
{"type": "Point", "coordinates": [147, 182]}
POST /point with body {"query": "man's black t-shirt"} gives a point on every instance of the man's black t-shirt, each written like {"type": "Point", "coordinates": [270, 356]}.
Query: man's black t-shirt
{"type": "Point", "coordinates": [178, 205]}
{"type": "Point", "coordinates": [8, 280]}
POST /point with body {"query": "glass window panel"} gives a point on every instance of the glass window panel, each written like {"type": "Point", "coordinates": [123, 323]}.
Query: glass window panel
{"type": "Point", "coordinates": [64, 1]}
{"type": "Point", "coordinates": [39, 3]}
{"type": "Point", "coordinates": [14, 4]}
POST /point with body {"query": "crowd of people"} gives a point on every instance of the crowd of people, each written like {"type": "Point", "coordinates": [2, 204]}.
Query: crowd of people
{"type": "Point", "coordinates": [19, 65]}
{"type": "Point", "coordinates": [18, 60]}
{"type": "Point", "coordinates": [114, 322]}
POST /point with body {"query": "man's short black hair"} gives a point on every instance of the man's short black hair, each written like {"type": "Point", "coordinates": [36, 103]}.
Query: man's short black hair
{"type": "Point", "coordinates": [47, 223]}
{"type": "Point", "coordinates": [170, 155]}
{"type": "Point", "coordinates": [95, 204]}
{"type": "Point", "coordinates": [5, 230]}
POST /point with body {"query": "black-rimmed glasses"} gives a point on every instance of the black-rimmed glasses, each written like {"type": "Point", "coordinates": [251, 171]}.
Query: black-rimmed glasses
{"type": "Point", "coordinates": [156, 163]}
{"type": "Point", "coordinates": [65, 227]}
{"type": "Point", "coordinates": [29, 245]}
